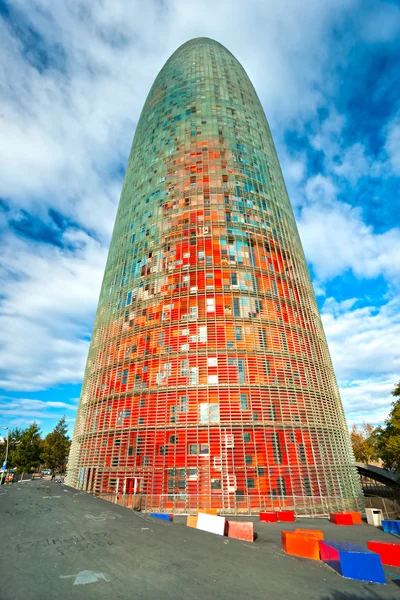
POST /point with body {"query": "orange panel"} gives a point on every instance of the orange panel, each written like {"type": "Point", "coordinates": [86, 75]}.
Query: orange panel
{"type": "Point", "coordinates": [207, 511]}
{"type": "Point", "coordinates": [191, 521]}
{"type": "Point", "coordinates": [300, 545]}
{"type": "Point", "coordinates": [356, 516]}
{"type": "Point", "coordinates": [317, 533]}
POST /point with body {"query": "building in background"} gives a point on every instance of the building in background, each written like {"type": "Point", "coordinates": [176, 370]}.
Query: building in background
{"type": "Point", "coordinates": [209, 380]}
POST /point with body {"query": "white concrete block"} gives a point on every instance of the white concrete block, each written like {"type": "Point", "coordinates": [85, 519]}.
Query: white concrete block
{"type": "Point", "coordinates": [211, 523]}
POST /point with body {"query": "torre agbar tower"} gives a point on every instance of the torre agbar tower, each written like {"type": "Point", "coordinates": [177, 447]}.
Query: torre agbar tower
{"type": "Point", "coordinates": [209, 381]}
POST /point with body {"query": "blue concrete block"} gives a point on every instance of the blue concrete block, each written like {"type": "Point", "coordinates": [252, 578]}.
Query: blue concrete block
{"type": "Point", "coordinates": [391, 526]}
{"type": "Point", "coordinates": [162, 516]}
{"type": "Point", "coordinates": [352, 561]}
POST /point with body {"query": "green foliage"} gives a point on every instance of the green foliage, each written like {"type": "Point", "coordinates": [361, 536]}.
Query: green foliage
{"type": "Point", "coordinates": [388, 436]}
{"type": "Point", "coordinates": [364, 443]}
{"type": "Point", "coordinates": [56, 447]}
{"type": "Point", "coordinates": [27, 449]}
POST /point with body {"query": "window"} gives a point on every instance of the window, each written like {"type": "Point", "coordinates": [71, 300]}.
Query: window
{"type": "Point", "coordinates": [291, 437]}
{"type": "Point", "coordinates": [244, 403]}
{"type": "Point", "coordinates": [184, 368]}
{"type": "Point", "coordinates": [120, 417]}
{"type": "Point", "coordinates": [212, 379]}
{"type": "Point", "coordinates": [208, 412]}
{"type": "Point", "coordinates": [127, 413]}
{"type": "Point", "coordinates": [183, 404]}
{"type": "Point", "coordinates": [212, 361]}
{"type": "Point", "coordinates": [204, 449]}
{"type": "Point", "coordinates": [146, 461]}
{"type": "Point", "coordinates": [248, 459]}
{"type": "Point", "coordinates": [241, 371]}
{"type": "Point", "coordinates": [194, 376]}
{"type": "Point", "coordinates": [210, 304]}
{"type": "Point", "coordinates": [262, 335]}
{"type": "Point", "coordinates": [302, 453]}
{"type": "Point", "coordinates": [173, 439]}
{"type": "Point", "coordinates": [281, 486]}
{"type": "Point", "coordinates": [272, 413]}
{"type": "Point", "coordinates": [276, 446]}
{"type": "Point", "coordinates": [236, 307]}
{"type": "Point", "coordinates": [284, 341]}
{"type": "Point", "coordinates": [234, 278]}
{"type": "Point", "coordinates": [307, 486]}
{"type": "Point", "coordinates": [163, 450]}
{"type": "Point", "coordinates": [140, 420]}
{"type": "Point", "coordinates": [246, 437]}
{"type": "Point", "coordinates": [215, 484]}
{"type": "Point", "coordinates": [238, 334]}
{"type": "Point", "coordinates": [250, 483]}
{"type": "Point", "coordinates": [114, 461]}
{"type": "Point", "coordinates": [117, 442]}
{"type": "Point", "coordinates": [130, 451]}
{"type": "Point", "coordinates": [267, 366]}
{"type": "Point", "coordinates": [261, 471]}
{"type": "Point", "coordinates": [112, 483]}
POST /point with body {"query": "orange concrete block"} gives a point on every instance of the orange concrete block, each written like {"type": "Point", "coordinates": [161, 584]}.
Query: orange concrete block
{"type": "Point", "coordinates": [207, 511]}
{"type": "Point", "coordinates": [300, 545]}
{"type": "Point", "coordinates": [240, 530]}
{"type": "Point", "coordinates": [356, 516]}
{"type": "Point", "coordinates": [191, 521]}
{"type": "Point", "coordinates": [317, 533]}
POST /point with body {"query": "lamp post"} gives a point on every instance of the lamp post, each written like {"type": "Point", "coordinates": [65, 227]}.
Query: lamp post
{"type": "Point", "coordinates": [4, 473]}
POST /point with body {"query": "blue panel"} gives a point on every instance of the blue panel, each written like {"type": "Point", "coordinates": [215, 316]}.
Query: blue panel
{"type": "Point", "coordinates": [162, 516]}
{"type": "Point", "coordinates": [353, 561]}
{"type": "Point", "coordinates": [391, 526]}
{"type": "Point", "coordinates": [365, 566]}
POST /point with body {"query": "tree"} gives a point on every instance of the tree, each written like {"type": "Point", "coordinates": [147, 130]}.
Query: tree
{"type": "Point", "coordinates": [56, 446]}
{"type": "Point", "coordinates": [388, 436]}
{"type": "Point", "coordinates": [27, 450]}
{"type": "Point", "coordinates": [364, 443]}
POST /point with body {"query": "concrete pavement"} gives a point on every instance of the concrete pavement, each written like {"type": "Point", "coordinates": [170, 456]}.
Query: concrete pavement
{"type": "Point", "coordinates": [60, 543]}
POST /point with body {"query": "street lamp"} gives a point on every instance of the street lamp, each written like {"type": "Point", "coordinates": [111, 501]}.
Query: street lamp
{"type": "Point", "coordinates": [4, 469]}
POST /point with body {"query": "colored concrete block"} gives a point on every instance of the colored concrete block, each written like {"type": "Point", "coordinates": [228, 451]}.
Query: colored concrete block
{"type": "Point", "coordinates": [391, 526]}
{"type": "Point", "coordinates": [239, 530]}
{"type": "Point", "coordinates": [286, 516]}
{"type": "Point", "coordinates": [356, 516]}
{"type": "Point", "coordinates": [317, 533]}
{"type": "Point", "coordinates": [341, 519]}
{"type": "Point", "coordinates": [268, 517]}
{"type": "Point", "coordinates": [162, 516]}
{"type": "Point", "coordinates": [207, 511]}
{"type": "Point", "coordinates": [388, 551]}
{"type": "Point", "coordinates": [299, 544]}
{"type": "Point", "coordinates": [211, 523]}
{"type": "Point", "coordinates": [352, 561]}
{"type": "Point", "coordinates": [191, 521]}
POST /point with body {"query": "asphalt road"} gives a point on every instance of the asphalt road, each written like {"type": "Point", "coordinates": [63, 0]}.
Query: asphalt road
{"type": "Point", "coordinates": [56, 542]}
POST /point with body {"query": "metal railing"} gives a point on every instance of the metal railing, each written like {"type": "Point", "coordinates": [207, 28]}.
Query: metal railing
{"type": "Point", "coordinates": [246, 505]}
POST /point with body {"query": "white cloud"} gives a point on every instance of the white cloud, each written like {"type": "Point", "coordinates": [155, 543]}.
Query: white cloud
{"type": "Point", "coordinates": [50, 295]}
{"type": "Point", "coordinates": [336, 240]}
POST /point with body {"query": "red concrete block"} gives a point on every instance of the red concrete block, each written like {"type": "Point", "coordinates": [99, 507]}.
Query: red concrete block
{"type": "Point", "coordinates": [388, 551]}
{"type": "Point", "coordinates": [268, 517]}
{"type": "Point", "coordinates": [239, 530]}
{"type": "Point", "coordinates": [356, 516]}
{"type": "Point", "coordinates": [299, 544]}
{"type": "Point", "coordinates": [286, 516]}
{"type": "Point", "coordinates": [341, 518]}
{"type": "Point", "coordinates": [317, 533]}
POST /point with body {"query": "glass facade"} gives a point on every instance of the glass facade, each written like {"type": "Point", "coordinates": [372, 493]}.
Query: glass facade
{"type": "Point", "coordinates": [209, 380]}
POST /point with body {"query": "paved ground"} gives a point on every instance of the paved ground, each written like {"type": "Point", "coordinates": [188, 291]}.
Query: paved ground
{"type": "Point", "coordinates": [58, 543]}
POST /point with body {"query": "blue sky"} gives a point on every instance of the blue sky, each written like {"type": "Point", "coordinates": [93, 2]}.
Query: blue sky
{"type": "Point", "coordinates": [73, 79]}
